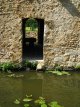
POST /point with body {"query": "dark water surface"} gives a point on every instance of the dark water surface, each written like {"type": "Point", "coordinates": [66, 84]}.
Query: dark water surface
{"type": "Point", "coordinates": [64, 89]}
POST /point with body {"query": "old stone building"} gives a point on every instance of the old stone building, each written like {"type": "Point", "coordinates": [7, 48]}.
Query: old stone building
{"type": "Point", "coordinates": [58, 31]}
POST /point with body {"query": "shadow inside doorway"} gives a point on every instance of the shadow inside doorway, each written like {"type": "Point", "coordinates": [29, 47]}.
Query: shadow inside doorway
{"type": "Point", "coordinates": [32, 47]}
{"type": "Point", "coordinates": [33, 52]}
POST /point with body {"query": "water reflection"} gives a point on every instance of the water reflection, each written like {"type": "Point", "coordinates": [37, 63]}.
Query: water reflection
{"type": "Point", "coordinates": [64, 89]}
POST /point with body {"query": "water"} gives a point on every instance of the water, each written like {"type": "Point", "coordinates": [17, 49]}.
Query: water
{"type": "Point", "coordinates": [64, 89]}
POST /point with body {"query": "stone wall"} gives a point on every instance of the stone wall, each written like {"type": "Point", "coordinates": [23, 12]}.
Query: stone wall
{"type": "Point", "coordinates": [61, 29]}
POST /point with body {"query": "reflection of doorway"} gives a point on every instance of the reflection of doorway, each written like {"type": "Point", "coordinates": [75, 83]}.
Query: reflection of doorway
{"type": "Point", "coordinates": [33, 31]}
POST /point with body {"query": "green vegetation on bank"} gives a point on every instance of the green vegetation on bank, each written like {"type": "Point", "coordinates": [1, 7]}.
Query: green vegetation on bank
{"type": "Point", "coordinates": [10, 66]}
{"type": "Point", "coordinates": [28, 101]}
{"type": "Point", "coordinates": [77, 66]}
{"type": "Point", "coordinates": [59, 72]}
{"type": "Point", "coordinates": [27, 66]}
{"type": "Point", "coordinates": [6, 66]}
{"type": "Point", "coordinates": [31, 65]}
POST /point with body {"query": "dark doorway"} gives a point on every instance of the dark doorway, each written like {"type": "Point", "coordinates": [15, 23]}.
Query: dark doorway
{"type": "Point", "coordinates": [32, 42]}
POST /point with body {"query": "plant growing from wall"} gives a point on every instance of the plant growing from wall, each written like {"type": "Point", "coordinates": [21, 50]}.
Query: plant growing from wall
{"type": "Point", "coordinates": [0, 66]}
{"type": "Point", "coordinates": [10, 66]}
{"type": "Point", "coordinates": [31, 65]}
{"type": "Point", "coordinates": [77, 67]}
{"type": "Point", "coordinates": [6, 66]}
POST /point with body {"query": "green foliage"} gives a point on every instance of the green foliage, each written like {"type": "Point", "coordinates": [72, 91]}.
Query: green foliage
{"type": "Point", "coordinates": [0, 66]}
{"type": "Point", "coordinates": [6, 66]}
{"type": "Point", "coordinates": [26, 105]}
{"type": "Point", "coordinates": [17, 101]}
{"type": "Point", "coordinates": [30, 29]}
{"type": "Point", "coordinates": [31, 25]}
{"type": "Point", "coordinates": [54, 104]}
{"type": "Point", "coordinates": [77, 67]}
{"type": "Point", "coordinates": [43, 105]}
{"type": "Point", "coordinates": [57, 67]}
{"type": "Point", "coordinates": [31, 65]}
{"type": "Point", "coordinates": [59, 72]}
{"type": "Point", "coordinates": [9, 66]}
{"type": "Point", "coordinates": [28, 98]}
{"type": "Point", "coordinates": [27, 64]}
{"type": "Point", "coordinates": [40, 102]}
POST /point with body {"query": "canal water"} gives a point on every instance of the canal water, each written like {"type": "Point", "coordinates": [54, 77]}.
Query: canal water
{"type": "Point", "coordinates": [63, 89]}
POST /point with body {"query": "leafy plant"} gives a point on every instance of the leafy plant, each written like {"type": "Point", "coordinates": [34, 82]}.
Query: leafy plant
{"type": "Point", "coordinates": [59, 72]}
{"type": "Point", "coordinates": [31, 65]}
{"type": "Point", "coordinates": [32, 24]}
{"type": "Point", "coordinates": [43, 105]}
{"type": "Point", "coordinates": [77, 66]}
{"type": "Point", "coordinates": [28, 98]}
{"type": "Point", "coordinates": [57, 67]}
{"type": "Point", "coordinates": [17, 101]}
{"type": "Point", "coordinates": [34, 65]}
{"type": "Point", "coordinates": [0, 66]}
{"type": "Point", "coordinates": [54, 104]}
{"type": "Point", "coordinates": [26, 105]}
{"type": "Point", "coordinates": [40, 102]}
{"type": "Point", "coordinates": [7, 66]}
{"type": "Point", "coordinates": [27, 64]}
{"type": "Point", "coordinates": [10, 66]}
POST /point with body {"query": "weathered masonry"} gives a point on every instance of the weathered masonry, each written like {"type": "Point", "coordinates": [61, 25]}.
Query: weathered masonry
{"type": "Point", "coordinates": [59, 33]}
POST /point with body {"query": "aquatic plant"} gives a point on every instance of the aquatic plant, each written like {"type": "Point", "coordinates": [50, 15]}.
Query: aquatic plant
{"type": "Point", "coordinates": [54, 104]}
{"type": "Point", "coordinates": [40, 102]}
{"type": "Point", "coordinates": [59, 72]}
{"type": "Point", "coordinates": [26, 105]}
{"type": "Point", "coordinates": [15, 75]}
{"type": "Point", "coordinates": [28, 98]}
{"type": "Point", "coordinates": [26, 101]}
{"type": "Point", "coordinates": [17, 101]}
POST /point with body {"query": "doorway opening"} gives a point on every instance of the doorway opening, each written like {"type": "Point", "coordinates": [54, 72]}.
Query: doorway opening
{"type": "Point", "coordinates": [32, 42]}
